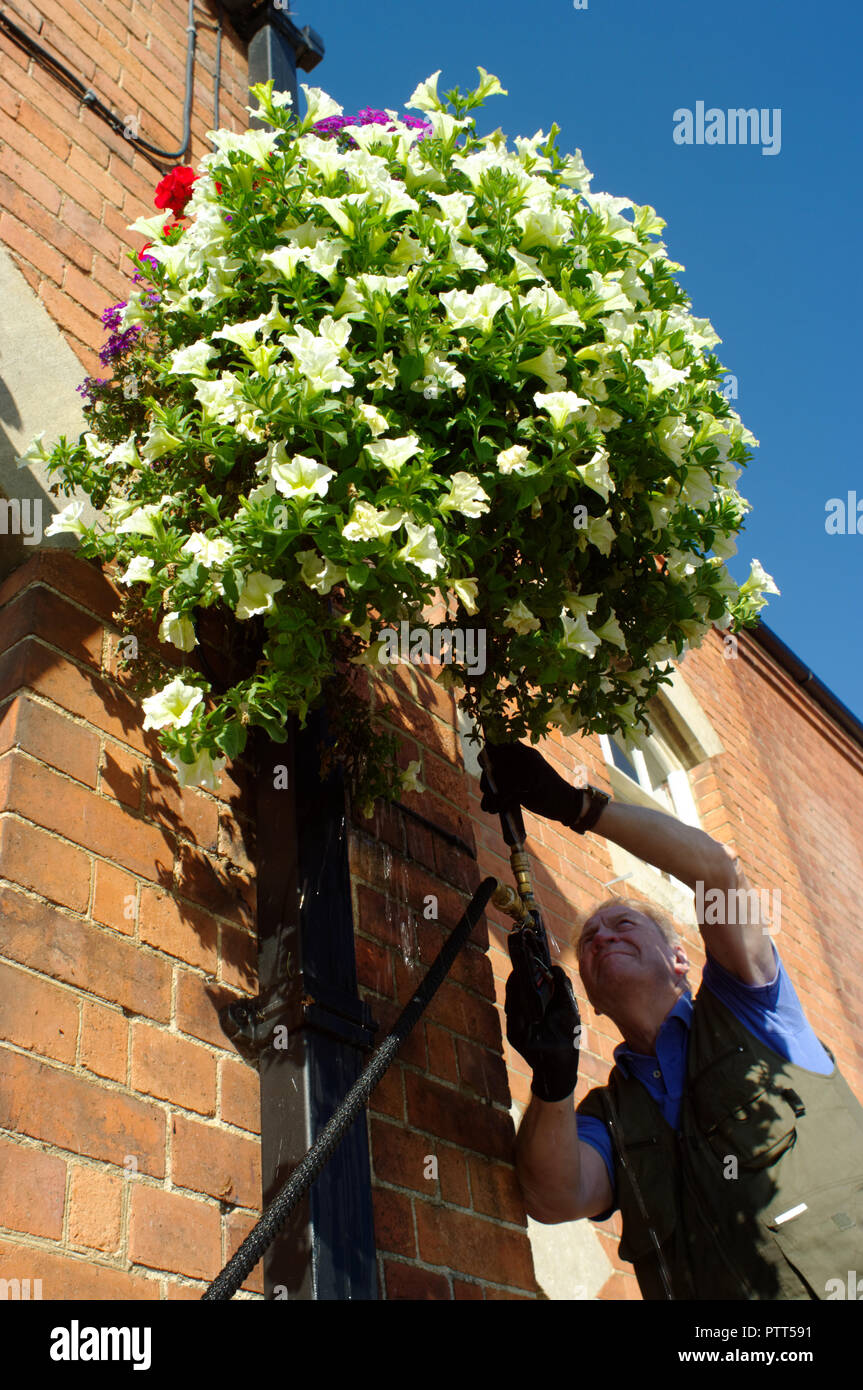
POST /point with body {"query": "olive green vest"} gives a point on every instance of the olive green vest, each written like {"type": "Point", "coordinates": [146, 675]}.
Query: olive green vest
{"type": "Point", "coordinates": [759, 1136]}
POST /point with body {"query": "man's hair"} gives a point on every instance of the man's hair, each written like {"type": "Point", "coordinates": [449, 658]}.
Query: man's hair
{"type": "Point", "coordinates": [662, 922]}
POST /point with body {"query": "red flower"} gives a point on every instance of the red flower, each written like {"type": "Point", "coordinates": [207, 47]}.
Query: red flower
{"type": "Point", "coordinates": [175, 189]}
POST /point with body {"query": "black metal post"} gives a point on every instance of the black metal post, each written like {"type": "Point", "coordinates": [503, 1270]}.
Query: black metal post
{"type": "Point", "coordinates": [276, 46]}
{"type": "Point", "coordinates": [308, 1027]}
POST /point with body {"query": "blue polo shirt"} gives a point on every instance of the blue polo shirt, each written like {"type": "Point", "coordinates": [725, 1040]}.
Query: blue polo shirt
{"type": "Point", "coordinates": [771, 1012]}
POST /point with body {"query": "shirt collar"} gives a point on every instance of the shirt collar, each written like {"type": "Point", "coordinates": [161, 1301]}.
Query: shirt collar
{"type": "Point", "coordinates": [679, 1016]}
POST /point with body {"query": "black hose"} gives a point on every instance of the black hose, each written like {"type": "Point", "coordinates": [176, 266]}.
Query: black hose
{"type": "Point", "coordinates": [225, 1284]}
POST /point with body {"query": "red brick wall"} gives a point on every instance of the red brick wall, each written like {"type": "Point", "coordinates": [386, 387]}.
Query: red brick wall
{"type": "Point", "coordinates": [128, 1125]}
{"type": "Point", "coordinates": [69, 184]}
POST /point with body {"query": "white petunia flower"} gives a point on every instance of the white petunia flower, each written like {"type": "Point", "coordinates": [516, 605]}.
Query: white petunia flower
{"type": "Point", "coordinates": [180, 631]}
{"type": "Point", "coordinates": [203, 772]}
{"type": "Point", "coordinates": [394, 453]}
{"type": "Point", "coordinates": [192, 360]}
{"type": "Point", "coordinates": [158, 443]}
{"type": "Point", "coordinates": [257, 595]}
{"type": "Point", "coordinates": [611, 632]}
{"type": "Point", "coordinates": [660, 375]}
{"type": "Point", "coordinates": [371, 416]}
{"type": "Point", "coordinates": [596, 475]}
{"type": "Point", "coordinates": [140, 570]}
{"type": "Point", "coordinates": [424, 97]}
{"type": "Point", "coordinates": [546, 366]}
{"type": "Point", "coordinates": [319, 573]}
{"type": "Point", "coordinates": [302, 478]}
{"type": "Point", "coordinates": [172, 707]}
{"type": "Point", "coordinates": [208, 552]}
{"type": "Point", "coordinates": [520, 619]}
{"type": "Point", "coordinates": [577, 636]}
{"type": "Point", "coordinates": [422, 549]}
{"type": "Point", "coordinates": [369, 524]}
{"type": "Point", "coordinates": [561, 406]}
{"type": "Point", "coordinates": [475, 308]}
{"type": "Point", "coordinates": [465, 496]}
{"type": "Point", "coordinates": [515, 459]}
{"type": "Point", "coordinates": [35, 452]}
{"type": "Point", "coordinates": [465, 591]}
{"type": "Point", "coordinates": [69, 519]}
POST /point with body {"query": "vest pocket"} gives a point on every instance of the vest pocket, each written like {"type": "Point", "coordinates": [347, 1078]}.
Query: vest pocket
{"type": "Point", "coordinates": [742, 1117]}
{"type": "Point", "coordinates": [824, 1242]}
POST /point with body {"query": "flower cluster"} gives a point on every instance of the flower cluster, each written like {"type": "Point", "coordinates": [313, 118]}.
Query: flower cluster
{"type": "Point", "coordinates": [382, 369]}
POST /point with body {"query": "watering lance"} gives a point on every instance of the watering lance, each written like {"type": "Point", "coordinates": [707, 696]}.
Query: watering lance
{"type": "Point", "coordinates": [527, 940]}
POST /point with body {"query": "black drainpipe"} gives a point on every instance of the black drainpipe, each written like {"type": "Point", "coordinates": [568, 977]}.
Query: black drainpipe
{"type": "Point", "coordinates": [276, 47]}
{"type": "Point", "coordinates": [308, 1028]}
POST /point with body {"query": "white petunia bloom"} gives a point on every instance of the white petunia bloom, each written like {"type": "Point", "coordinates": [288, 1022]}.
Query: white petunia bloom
{"type": "Point", "coordinates": [515, 459]}
{"type": "Point", "coordinates": [611, 632]}
{"type": "Point", "coordinates": [424, 97]}
{"type": "Point", "coordinates": [69, 519]}
{"type": "Point", "coordinates": [300, 477]}
{"type": "Point", "coordinates": [208, 552]}
{"type": "Point", "coordinates": [35, 452]}
{"type": "Point", "coordinates": [581, 603]}
{"type": "Point", "coordinates": [140, 570]}
{"type": "Point", "coordinates": [173, 707]}
{"type": "Point", "coordinates": [465, 591]}
{"type": "Point", "coordinates": [699, 490]}
{"type": "Point", "coordinates": [674, 437]}
{"type": "Point", "coordinates": [140, 521]}
{"type": "Point", "coordinates": [520, 619]}
{"type": "Point", "coordinates": [545, 306]}
{"type": "Point", "coordinates": [660, 375]}
{"type": "Point", "coordinates": [547, 366]}
{"type": "Point", "coordinates": [319, 573]}
{"type": "Point", "coordinates": [475, 308]}
{"type": "Point", "coordinates": [596, 475]}
{"type": "Point", "coordinates": [465, 496]}
{"type": "Point", "coordinates": [394, 453]}
{"type": "Point", "coordinates": [318, 361]}
{"type": "Point", "coordinates": [422, 549]}
{"type": "Point", "coordinates": [577, 636]}
{"type": "Point", "coordinates": [561, 406]}
{"type": "Point", "coordinates": [179, 631]}
{"type": "Point", "coordinates": [257, 595]}
{"type": "Point", "coordinates": [371, 416]}
{"type": "Point", "coordinates": [759, 581]}
{"type": "Point", "coordinates": [158, 443]}
{"type": "Point", "coordinates": [203, 772]}
{"type": "Point", "coordinates": [258, 144]}
{"type": "Point", "coordinates": [369, 524]}
{"type": "Point", "coordinates": [192, 360]}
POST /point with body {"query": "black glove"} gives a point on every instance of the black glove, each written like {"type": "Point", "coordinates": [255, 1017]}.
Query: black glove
{"type": "Point", "coordinates": [524, 778]}
{"type": "Point", "coordinates": [546, 1035]}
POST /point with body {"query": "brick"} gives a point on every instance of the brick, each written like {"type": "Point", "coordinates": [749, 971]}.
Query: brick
{"type": "Point", "coordinates": [173, 1069]}
{"type": "Point", "coordinates": [374, 966]}
{"type": "Point", "coordinates": [55, 803]}
{"type": "Point", "coordinates": [443, 1112]}
{"type": "Point", "coordinates": [495, 1190]}
{"type": "Point", "coordinates": [241, 1095]}
{"type": "Point", "coordinates": [51, 737]}
{"type": "Point", "coordinates": [208, 1159]}
{"type": "Point", "coordinates": [24, 10]}
{"type": "Point", "coordinates": [121, 776]}
{"type": "Point", "coordinates": [464, 1291]}
{"type": "Point", "coordinates": [44, 865]}
{"type": "Point", "coordinates": [91, 230]}
{"type": "Point", "coordinates": [400, 1157]}
{"type": "Point", "coordinates": [32, 1190]}
{"type": "Point", "coordinates": [237, 1227]}
{"type": "Point", "coordinates": [38, 612]}
{"type": "Point", "coordinates": [104, 1041]}
{"type": "Point", "coordinates": [82, 289]}
{"type": "Point", "coordinates": [68, 1279]}
{"type": "Point", "coordinates": [408, 1282]}
{"type": "Point", "coordinates": [18, 238]}
{"type": "Point", "coordinates": [172, 1232]}
{"type": "Point", "coordinates": [441, 1053]}
{"type": "Point", "coordinates": [37, 1015]}
{"type": "Point", "coordinates": [95, 1209]}
{"type": "Point", "coordinates": [68, 315]}
{"type": "Point", "coordinates": [65, 1110]}
{"type": "Point", "coordinates": [473, 1246]}
{"type": "Point", "coordinates": [209, 884]}
{"type": "Point", "coordinates": [482, 1071]}
{"type": "Point", "coordinates": [394, 1224]}
{"type": "Point", "coordinates": [30, 181]}
{"type": "Point", "coordinates": [452, 1174]}
{"type": "Point", "coordinates": [388, 1096]}
{"type": "Point", "coordinates": [115, 897]}
{"type": "Point", "coordinates": [198, 1005]}
{"type": "Point", "coordinates": [178, 929]}
{"type": "Point", "coordinates": [76, 953]}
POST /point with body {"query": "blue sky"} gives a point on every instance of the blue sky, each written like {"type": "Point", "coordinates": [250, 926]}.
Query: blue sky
{"type": "Point", "coordinates": [769, 242]}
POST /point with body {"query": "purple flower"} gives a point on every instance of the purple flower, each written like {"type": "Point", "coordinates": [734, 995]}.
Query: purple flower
{"type": "Point", "coordinates": [334, 125]}
{"type": "Point", "coordinates": [90, 387]}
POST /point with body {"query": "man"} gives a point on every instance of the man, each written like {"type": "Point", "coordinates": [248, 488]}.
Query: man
{"type": "Point", "coordinates": [726, 1135]}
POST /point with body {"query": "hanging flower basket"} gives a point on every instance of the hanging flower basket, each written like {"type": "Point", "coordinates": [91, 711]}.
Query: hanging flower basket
{"type": "Point", "coordinates": [376, 361]}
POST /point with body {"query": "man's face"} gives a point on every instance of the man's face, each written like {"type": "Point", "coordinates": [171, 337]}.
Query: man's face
{"type": "Point", "coordinates": [620, 952]}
